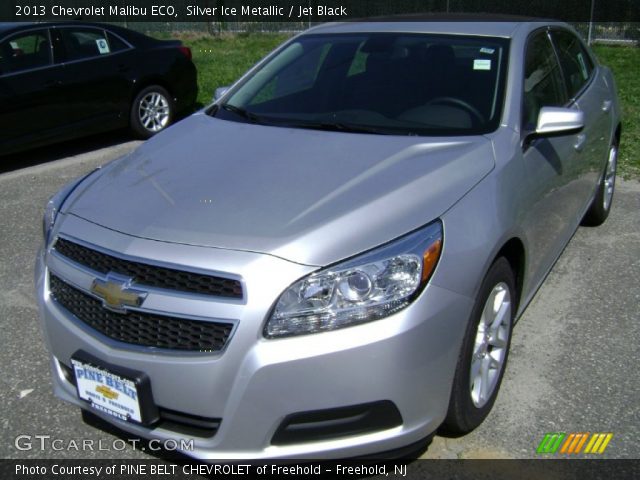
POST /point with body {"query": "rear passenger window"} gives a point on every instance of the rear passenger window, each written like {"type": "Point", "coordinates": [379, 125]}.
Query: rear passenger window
{"type": "Point", "coordinates": [84, 43]}
{"type": "Point", "coordinates": [115, 43]}
{"type": "Point", "coordinates": [25, 52]}
{"type": "Point", "coordinates": [575, 61]}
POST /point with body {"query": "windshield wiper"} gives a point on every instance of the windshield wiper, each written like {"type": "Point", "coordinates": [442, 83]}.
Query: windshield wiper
{"type": "Point", "coordinates": [327, 126]}
{"type": "Point", "coordinates": [242, 112]}
{"type": "Point", "coordinates": [339, 127]}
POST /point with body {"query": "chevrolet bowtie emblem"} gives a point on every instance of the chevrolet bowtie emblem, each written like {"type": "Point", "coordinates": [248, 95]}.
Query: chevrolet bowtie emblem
{"type": "Point", "coordinates": [107, 392]}
{"type": "Point", "coordinates": [116, 293]}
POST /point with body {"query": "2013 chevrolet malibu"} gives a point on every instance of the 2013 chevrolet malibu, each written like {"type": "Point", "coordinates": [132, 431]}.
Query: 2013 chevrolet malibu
{"type": "Point", "coordinates": [63, 80]}
{"type": "Point", "coordinates": [329, 260]}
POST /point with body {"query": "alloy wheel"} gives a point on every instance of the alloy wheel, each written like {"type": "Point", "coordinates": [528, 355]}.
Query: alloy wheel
{"type": "Point", "coordinates": [610, 177]}
{"type": "Point", "coordinates": [153, 111]}
{"type": "Point", "coordinates": [490, 346]}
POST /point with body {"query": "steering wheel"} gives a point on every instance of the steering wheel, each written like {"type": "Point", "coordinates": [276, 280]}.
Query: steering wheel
{"type": "Point", "coordinates": [458, 103]}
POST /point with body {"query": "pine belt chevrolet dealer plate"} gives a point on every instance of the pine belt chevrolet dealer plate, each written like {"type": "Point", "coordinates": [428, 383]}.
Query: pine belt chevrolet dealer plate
{"type": "Point", "coordinates": [120, 392]}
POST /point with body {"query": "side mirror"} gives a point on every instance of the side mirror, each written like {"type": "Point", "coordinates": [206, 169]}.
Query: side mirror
{"type": "Point", "coordinates": [220, 91]}
{"type": "Point", "coordinates": [559, 121]}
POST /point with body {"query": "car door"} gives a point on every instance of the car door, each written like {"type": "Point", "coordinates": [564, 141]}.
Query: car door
{"type": "Point", "coordinates": [95, 83]}
{"type": "Point", "coordinates": [31, 108]}
{"type": "Point", "coordinates": [590, 94]}
{"type": "Point", "coordinates": [552, 164]}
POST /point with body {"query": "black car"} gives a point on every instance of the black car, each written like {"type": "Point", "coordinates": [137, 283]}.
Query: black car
{"type": "Point", "coordinates": [64, 80]}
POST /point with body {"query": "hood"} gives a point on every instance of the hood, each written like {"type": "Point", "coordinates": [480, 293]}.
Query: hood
{"type": "Point", "coordinates": [311, 197]}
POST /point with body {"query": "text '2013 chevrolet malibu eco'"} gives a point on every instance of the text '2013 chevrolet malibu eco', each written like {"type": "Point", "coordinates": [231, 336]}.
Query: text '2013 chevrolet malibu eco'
{"type": "Point", "coordinates": [329, 260]}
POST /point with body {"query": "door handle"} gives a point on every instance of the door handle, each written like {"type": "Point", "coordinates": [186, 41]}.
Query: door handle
{"type": "Point", "coordinates": [581, 139]}
{"type": "Point", "coordinates": [606, 106]}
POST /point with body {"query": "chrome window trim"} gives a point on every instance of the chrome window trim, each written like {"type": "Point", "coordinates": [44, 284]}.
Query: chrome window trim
{"type": "Point", "coordinates": [13, 74]}
{"type": "Point", "coordinates": [87, 59]}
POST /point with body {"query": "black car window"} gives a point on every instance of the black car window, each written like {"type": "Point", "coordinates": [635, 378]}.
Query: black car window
{"type": "Point", "coordinates": [116, 44]}
{"type": "Point", "coordinates": [80, 43]}
{"type": "Point", "coordinates": [575, 61]}
{"type": "Point", "coordinates": [25, 51]}
{"type": "Point", "coordinates": [543, 83]}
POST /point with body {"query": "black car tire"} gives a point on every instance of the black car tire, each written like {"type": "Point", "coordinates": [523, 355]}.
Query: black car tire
{"type": "Point", "coordinates": [152, 111]}
{"type": "Point", "coordinates": [599, 208]}
{"type": "Point", "coordinates": [466, 412]}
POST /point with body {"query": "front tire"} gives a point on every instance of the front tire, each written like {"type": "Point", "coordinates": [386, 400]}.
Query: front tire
{"type": "Point", "coordinates": [601, 204]}
{"type": "Point", "coordinates": [151, 111]}
{"type": "Point", "coordinates": [484, 352]}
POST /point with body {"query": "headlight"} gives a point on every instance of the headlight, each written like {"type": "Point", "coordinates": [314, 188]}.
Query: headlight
{"type": "Point", "coordinates": [55, 203]}
{"type": "Point", "coordinates": [368, 287]}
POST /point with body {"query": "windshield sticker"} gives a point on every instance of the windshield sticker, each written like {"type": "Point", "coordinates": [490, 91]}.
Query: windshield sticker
{"type": "Point", "coordinates": [482, 64]}
{"type": "Point", "coordinates": [103, 46]}
{"type": "Point", "coordinates": [487, 50]}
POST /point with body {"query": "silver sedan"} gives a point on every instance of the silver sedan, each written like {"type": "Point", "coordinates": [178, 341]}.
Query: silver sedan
{"type": "Point", "coordinates": [329, 260]}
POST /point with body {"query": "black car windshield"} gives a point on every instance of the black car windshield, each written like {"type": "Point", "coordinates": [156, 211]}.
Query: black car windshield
{"type": "Point", "coordinates": [385, 83]}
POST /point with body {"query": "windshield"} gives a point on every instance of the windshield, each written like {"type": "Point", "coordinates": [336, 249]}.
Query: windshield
{"type": "Point", "coordinates": [385, 83]}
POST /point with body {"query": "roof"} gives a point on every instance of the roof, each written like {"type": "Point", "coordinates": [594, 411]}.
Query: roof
{"type": "Point", "coordinates": [131, 36]}
{"type": "Point", "coordinates": [482, 25]}
{"type": "Point", "coordinates": [8, 26]}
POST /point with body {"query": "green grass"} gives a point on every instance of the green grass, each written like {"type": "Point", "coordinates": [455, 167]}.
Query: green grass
{"type": "Point", "coordinates": [222, 60]}
{"type": "Point", "coordinates": [625, 63]}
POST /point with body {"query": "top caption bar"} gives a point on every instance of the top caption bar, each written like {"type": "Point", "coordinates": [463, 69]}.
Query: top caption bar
{"type": "Point", "coordinates": [311, 11]}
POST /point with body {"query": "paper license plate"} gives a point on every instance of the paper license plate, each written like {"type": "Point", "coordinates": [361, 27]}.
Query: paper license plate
{"type": "Point", "coordinates": [107, 391]}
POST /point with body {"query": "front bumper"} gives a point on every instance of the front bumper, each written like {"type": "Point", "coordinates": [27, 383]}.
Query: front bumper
{"type": "Point", "coordinates": [254, 384]}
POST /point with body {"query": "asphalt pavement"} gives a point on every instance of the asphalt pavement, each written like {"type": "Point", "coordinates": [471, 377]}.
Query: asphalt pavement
{"type": "Point", "coordinates": [573, 364]}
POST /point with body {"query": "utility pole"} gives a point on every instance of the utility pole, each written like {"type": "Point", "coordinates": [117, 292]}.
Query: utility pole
{"type": "Point", "coordinates": [590, 37]}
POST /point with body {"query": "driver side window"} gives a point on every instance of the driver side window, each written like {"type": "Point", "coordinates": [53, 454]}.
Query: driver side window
{"type": "Point", "coordinates": [25, 51]}
{"type": "Point", "coordinates": [543, 82]}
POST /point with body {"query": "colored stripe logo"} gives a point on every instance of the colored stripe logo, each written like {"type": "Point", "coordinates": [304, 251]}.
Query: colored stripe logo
{"type": "Point", "coordinates": [574, 443]}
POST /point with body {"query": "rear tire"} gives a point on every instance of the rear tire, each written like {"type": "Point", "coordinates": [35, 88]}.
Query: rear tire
{"type": "Point", "coordinates": [151, 111]}
{"type": "Point", "coordinates": [484, 352]}
{"type": "Point", "coordinates": [601, 203]}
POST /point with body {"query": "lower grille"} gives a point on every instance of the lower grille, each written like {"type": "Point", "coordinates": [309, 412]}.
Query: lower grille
{"type": "Point", "coordinates": [332, 423]}
{"type": "Point", "coordinates": [187, 424]}
{"type": "Point", "coordinates": [137, 328]}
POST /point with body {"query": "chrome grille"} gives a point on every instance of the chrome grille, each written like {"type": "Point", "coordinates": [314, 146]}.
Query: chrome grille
{"type": "Point", "coordinates": [140, 328]}
{"type": "Point", "coordinates": [150, 275]}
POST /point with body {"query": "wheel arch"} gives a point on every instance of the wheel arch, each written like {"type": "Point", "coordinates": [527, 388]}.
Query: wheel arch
{"type": "Point", "coordinates": [142, 83]}
{"type": "Point", "coordinates": [514, 252]}
{"type": "Point", "coordinates": [618, 133]}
